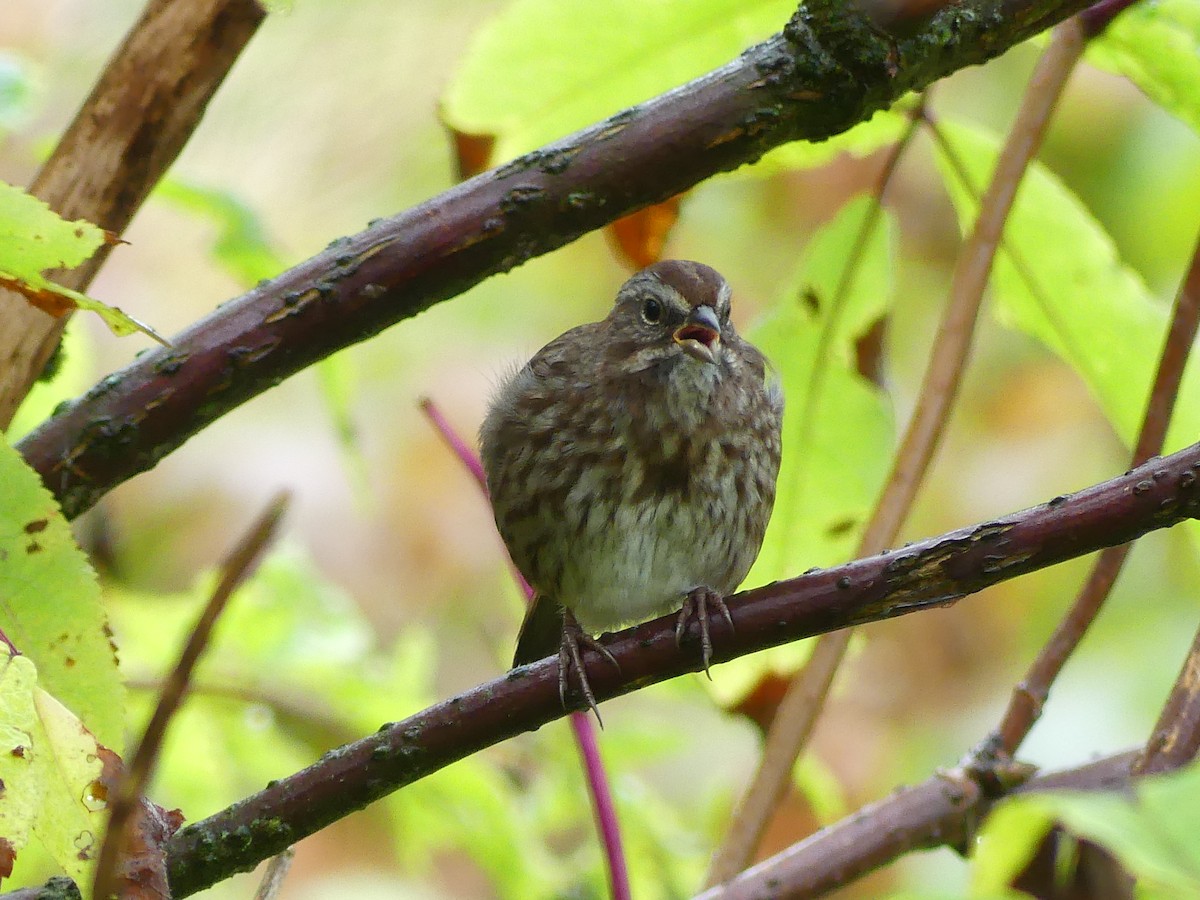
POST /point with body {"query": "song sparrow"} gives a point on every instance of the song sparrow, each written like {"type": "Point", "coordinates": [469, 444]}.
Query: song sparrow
{"type": "Point", "coordinates": [632, 465]}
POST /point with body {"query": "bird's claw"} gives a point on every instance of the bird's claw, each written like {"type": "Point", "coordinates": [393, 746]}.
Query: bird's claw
{"type": "Point", "coordinates": [569, 656]}
{"type": "Point", "coordinates": [696, 603]}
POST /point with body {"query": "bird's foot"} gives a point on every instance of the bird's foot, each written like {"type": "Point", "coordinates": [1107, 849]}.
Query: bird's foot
{"type": "Point", "coordinates": [697, 603]}
{"type": "Point", "coordinates": [570, 657]}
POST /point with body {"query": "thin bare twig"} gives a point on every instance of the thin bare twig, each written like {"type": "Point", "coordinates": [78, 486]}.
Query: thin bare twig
{"type": "Point", "coordinates": [1175, 739]}
{"type": "Point", "coordinates": [803, 702]}
{"type": "Point", "coordinates": [1030, 694]}
{"type": "Point", "coordinates": [237, 567]}
{"type": "Point", "coordinates": [1176, 735]}
{"type": "Point", "coordinates": [581, 725]}
{"type": "Point", "coordinates": [289, 710]}
{"type": "Point", "coordinates": [272, 880]}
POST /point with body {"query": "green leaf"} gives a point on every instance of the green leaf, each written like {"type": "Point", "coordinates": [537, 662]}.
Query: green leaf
{"type": "Point", "coordinates": [50, 765]}
{"type": "Point", "coordinates": [1007, 844]}
{"type": "Point", "coordinates": [837, 426]}
{"type": "Point", "coordinates": [542, 68]}
{"type": "Point", "coordinates": [1157, 47]}
{"type": "Point", "coordinates": [885, 127]}
{"type": "Point", "coordinates": [33, 240]}
{"type": "Point", "coordinates": [74, 373]}
{"type": "Point", "coordinates": [50, 603]}
{"type": "Point", "coordinates": [1155, 834]}
{"type": "Point", "coordinates": [241, 245]}
{"type": "Point", "coordinates": [1070, 290]}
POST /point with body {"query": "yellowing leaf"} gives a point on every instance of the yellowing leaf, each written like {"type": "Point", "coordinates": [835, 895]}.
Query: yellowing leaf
{"type": "Point", "coordinates": [33, 240]}
{"type": "Point", "coordinates": [52, 770]}
{"type": "Point", "coordinates": [20, 797]}
{"type": "Point", "coordinates": [50, 602]}
{"type": "Point", "coordinates": [67, 767]}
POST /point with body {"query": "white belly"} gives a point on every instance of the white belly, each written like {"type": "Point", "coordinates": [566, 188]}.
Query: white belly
{"type": "Point", "coordinates": [641, 561]}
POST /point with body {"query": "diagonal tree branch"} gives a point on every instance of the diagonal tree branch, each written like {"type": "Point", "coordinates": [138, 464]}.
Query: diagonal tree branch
{"type": "Point", "coordinates": [935, 572]}
{"type": "Point", "coordinates": [831, 67]}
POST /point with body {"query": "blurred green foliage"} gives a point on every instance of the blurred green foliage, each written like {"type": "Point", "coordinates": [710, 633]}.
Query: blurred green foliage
{"type": "Point", "coordinates": [1151, 831]}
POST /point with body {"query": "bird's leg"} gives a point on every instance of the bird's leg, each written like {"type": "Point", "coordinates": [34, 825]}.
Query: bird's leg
{"type": "Point", "coordinates": [569, 656]}
{"type": "Point", "coordinates": [696, 603]}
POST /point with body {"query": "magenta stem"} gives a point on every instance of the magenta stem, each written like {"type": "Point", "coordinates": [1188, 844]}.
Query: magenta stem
{"type": "Point", "coordinates": [581, 724]}
{"type": "Point", "coordinates": [602, 803]}
{"type": "Point", "coordinates": [466, 455]}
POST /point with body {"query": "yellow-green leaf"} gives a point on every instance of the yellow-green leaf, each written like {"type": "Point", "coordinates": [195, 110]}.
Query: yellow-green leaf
{"type": "Point", "coordinates": [885, 127]}
{"type": "Point", "coordinates": [1073, 293]}
{"type": "Point", "coordinates": [1157, 47]}
{"type": "Point", "coordinates": [34, 240]}
{"type": "Point", "coordinates": [50, 603]}
{"type": "Point", "coordinates": [837, 427]}
{"type": "Point", "coordinates": [67, 766]}
{"type": "Point", "coordinates": [544, 68]}
{"type": "Point", "coordinates": [51, 766]}
{"type": "Point", "coordinates": [20, 798]}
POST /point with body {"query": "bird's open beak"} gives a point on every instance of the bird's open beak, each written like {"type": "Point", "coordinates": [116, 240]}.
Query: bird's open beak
{"type": "Point", "coordinates": [700, 334]}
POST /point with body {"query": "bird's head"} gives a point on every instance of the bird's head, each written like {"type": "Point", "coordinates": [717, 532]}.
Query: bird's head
{"type": "Point", "coordinates": [674, 310]}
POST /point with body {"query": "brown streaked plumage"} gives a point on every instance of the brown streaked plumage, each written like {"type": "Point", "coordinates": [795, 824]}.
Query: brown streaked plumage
{"type": "Point", "coordinates": [632, 464]}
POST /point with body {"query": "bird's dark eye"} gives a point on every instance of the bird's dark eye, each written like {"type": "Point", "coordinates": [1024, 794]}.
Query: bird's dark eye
{"type": "Point", "coordinates": [652, 311]}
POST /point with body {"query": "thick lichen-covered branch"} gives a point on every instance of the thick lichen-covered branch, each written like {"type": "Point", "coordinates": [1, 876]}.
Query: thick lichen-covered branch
{"type": "Point", "coordinates": [831, 67]}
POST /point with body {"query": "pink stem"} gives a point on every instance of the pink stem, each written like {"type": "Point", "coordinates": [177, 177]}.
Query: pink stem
{"type": "Point", "coordinates": [582, 724]}
{"type": "Point", "coordinates": [467, 456]}
{"type": "Point", "coordinates": [602, 804]}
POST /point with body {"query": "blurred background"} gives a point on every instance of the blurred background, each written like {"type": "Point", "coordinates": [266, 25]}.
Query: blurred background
{"type": "Point", "coordinates": [331, 119]}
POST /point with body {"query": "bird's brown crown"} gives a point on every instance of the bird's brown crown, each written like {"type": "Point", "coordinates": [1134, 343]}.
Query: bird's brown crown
{"type": "Point", "coordinates": [698, 284]}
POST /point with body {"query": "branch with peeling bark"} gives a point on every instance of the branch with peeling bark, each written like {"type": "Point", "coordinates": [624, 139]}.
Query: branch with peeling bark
{"type": "Point", "coordinates": [831, 67]}
{"type": "Point", "coordinates": [935, 572]}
